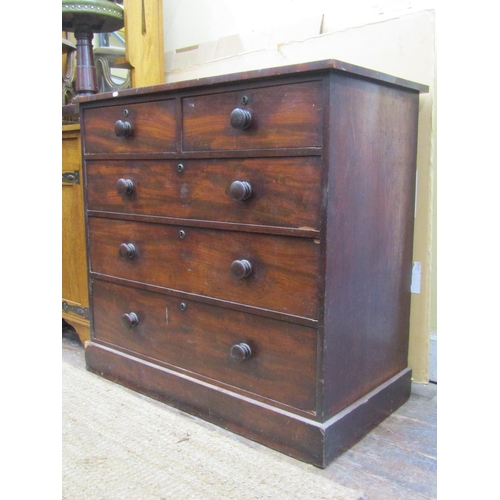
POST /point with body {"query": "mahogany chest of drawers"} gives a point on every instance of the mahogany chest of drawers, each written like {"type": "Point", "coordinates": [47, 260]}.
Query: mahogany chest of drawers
{"type": "Point", "coordinates": [249, 246]}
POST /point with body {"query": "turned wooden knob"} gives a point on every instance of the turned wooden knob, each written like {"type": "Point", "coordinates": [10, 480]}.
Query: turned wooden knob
{"type": "Point", "coordinates": [123, 129]}
{"type": "Point", "coordinates": [240, 190]}
{"type": "Point", "coordinates": [241, 269]}
{"type": "Point", "coordinates": [240, 352]}
{"type": "Point", "coordinates": [129, 320]}
{"type": "Point", "coordinates": [240, 118]}
{"type": "Point", "coordinates": [127, 251]}
{"type": "Point", "coordinates": [125, 186]}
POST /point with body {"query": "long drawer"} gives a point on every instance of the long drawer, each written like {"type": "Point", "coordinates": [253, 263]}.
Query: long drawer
{"type": "Point", "coordinates": [274, 359]}
{"type": "Point", "coordinates": [272, 272]}
{"type": "Point", "coordinates": [264, 191]}
{"type": "Point", "coordinates": [281, 116]}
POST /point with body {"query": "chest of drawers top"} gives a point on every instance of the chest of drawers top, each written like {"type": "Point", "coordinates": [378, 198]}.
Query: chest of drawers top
{"type": "Point", "coordinates": [269, 111]}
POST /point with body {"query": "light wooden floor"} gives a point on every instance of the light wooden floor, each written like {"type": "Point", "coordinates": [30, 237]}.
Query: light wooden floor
{"type": "Point", "coordinates": [397, 460]}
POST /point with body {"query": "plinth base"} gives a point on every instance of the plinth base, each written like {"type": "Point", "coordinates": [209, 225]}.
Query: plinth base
{"type": "Point", "coordinates": [317, 443]}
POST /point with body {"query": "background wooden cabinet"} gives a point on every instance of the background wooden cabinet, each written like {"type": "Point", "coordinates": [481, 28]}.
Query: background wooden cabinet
{"type": "Point", "coordinates": [75, 299]}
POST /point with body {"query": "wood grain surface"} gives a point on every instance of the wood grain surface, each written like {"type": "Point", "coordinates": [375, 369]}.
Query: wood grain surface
{"type": "Point", "coordinates": [284, 269]}
{"type": "Point", "coordinates": [198, 338]}
{"type": "Point", "coordinates": [285, 191]}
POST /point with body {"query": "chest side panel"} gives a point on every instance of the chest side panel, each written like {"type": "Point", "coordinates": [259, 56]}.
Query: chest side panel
{"type": "Point", "coordinates": [369, 236]}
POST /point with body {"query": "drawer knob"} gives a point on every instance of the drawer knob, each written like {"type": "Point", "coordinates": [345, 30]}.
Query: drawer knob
{"type": "Point", "coordinates": [240, 190]}
{"type": "Point", "coordinates": [129, 320]}
{"type": "Point", "coordinates": [241, 269]}
{"type": "Point", "coordinates": [127, 251]}
{"type": "Point", "coordinates": [123, 129]}
{"type": "Point", "coordinates": [125, 186]}
{"type": "Point", "coordinates": [240, 118]}
{"type": "Point", "coordinates": [240, 352]}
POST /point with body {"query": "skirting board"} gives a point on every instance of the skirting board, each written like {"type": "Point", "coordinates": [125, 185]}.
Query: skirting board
{"type": "Point", "coordinates": [317, 443]}
{"type": "Point", "coordinates": [433, 358]}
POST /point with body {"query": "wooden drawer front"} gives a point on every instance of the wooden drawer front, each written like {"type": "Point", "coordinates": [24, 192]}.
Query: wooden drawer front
{"type": "Point", "coordinates": [283, 273]}
{"type": "Point", "coordinates": [152, 125]}
{"type": "Point", "coordinates": [283, 116]}
{"type": "Point", "coordinates": [284, 191]}
{"type": "Point", "coordinates": [199, 338]}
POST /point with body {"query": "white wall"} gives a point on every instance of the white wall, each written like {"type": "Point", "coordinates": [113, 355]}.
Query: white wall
{"type": "Point", "coordinates": [191, 22]}
{"type": "Point", "coordinates": [204, 38]}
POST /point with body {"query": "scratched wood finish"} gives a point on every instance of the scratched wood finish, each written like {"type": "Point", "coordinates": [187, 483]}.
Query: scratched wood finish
{"type": "Point", "coordinates": [283, 268]}
{"type": "Point", "coordinates": [284, 116]}
{"type": "Point", "coordinates": [198, 338]}
{"type": "Point", "coordinates": [153, 128]}
{"type": "Point", "coordinates": [285, 191]}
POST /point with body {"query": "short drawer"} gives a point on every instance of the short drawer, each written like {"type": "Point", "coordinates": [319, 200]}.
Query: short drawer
{"type": "Point", "coordinates": [272, 272]}
{"type": "Point", "coordinates": [279, 362]}
{"type": "Point", "coordinates": [265, 191]}
{"type": "Point", "coordinates": [148, 127]}
{"type": "Point", "coordinates": [282, 116]}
